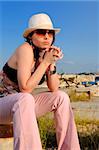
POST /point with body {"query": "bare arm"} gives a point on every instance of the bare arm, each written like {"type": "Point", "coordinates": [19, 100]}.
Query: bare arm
{"type": "Point", "coordinates": [25, 60]}
{"type": "Point", "coordinates": [52, 79]}
{"type": "Point", "coordinates": [26, 81]}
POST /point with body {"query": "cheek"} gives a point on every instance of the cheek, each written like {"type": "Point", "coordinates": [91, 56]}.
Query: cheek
{"type": "Point", "coordinates": [36, 41]}
{"type": "Point", "coordinates": [51, 40]}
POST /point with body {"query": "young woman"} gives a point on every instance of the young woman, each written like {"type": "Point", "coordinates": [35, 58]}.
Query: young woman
{"type": "Point", "coordinates": [31, 64]}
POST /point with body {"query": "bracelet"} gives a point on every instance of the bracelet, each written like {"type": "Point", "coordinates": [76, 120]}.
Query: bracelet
{"type": "Point", "coordinates": [52, 72]}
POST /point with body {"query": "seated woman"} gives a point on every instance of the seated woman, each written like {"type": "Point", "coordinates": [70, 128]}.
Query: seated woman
{"type": "Point", "coordinates": [31, 64]}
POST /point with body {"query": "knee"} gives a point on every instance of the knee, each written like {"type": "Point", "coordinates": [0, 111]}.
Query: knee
{"type": "Point", "coordinates": [24, 100]}
{"type": "Point", "coordinates": [62, 96]}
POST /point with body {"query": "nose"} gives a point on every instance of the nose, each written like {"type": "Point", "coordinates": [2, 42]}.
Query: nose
{"type": "Point", "coordinates": [46, 35]}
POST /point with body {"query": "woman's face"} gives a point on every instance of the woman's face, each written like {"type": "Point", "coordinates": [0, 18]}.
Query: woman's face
{"type": "Point", "coordinates": [43, 38]}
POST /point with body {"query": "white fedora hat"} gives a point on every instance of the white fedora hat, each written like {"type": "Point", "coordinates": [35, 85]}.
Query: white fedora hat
{"type": "Point", "coordinates": [39, 21]}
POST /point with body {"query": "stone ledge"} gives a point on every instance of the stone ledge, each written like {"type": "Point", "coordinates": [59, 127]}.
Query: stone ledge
{"type": "Point", "coordinates": [6, 143]}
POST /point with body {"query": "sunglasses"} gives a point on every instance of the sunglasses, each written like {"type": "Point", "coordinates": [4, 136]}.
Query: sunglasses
{"type": "Point", "coordinates": [42, 32]}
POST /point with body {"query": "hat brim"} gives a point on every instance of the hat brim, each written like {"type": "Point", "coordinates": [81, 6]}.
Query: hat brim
{"type": "Point", "coordinates": [29, 30]}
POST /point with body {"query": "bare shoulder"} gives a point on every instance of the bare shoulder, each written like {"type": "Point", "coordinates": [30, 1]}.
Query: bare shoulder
{"type": "Point", "coordinates": [25, 53]}
{"type": "Point", "coordinates": [24, 47]}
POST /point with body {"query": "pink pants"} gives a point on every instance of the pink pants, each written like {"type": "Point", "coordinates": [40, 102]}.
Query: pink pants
{"type": "Point", "coordinates": [23, 109]}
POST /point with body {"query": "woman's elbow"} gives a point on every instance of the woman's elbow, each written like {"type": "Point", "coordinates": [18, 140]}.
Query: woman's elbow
{"type": "Point", "coordinates": [53, 89]}
{"type": "Point", "coordinates": [25, 89]}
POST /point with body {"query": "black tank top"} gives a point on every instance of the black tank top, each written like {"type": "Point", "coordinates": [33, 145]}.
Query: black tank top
{"type": "Point", "coordinates": [12, 74]}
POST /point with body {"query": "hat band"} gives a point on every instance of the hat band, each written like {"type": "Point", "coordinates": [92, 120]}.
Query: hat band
{"type": "Point", "coordinates": [44, 26]}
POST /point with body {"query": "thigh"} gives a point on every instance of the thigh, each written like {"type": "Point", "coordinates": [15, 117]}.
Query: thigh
{"type": "Point", "coordinates": [6, 105]}
{"type": "Point", "coordinates": [46, 102]}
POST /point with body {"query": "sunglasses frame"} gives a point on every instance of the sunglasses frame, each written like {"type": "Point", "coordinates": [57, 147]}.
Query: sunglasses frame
{"type": "Point", "coordinates": [42, 32]}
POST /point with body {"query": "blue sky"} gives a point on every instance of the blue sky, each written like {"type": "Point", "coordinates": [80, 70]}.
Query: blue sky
{"type": "Point", "coordinates": [78, 39]}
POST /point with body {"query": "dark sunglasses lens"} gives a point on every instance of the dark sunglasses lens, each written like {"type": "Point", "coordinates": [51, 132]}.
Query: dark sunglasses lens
{"type": "Point", "coordinates": [41, 32]}
{"type": "Point", "coordinates": [51, 32]}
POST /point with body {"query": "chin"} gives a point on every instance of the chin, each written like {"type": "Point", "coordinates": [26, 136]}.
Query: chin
{"type": "Point", "coordinates": [46, 46]}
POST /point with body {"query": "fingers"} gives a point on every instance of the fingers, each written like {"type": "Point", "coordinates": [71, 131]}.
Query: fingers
{"type": "Point", "coordinates": [57, 52]}
{"type": "Point", "coordinates": [61, 56]}
{"type": "Point", "coordinates": [53, 54]}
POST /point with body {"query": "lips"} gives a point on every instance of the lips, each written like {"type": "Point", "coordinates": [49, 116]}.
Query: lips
{"type": "Point", "coordinates": [47, 43]}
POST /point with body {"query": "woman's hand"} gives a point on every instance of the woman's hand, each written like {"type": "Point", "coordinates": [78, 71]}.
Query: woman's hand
{"type": "Point", "coordinates": [52, 55]}
{"type": "Point", "coordinates": [41, 55]}
{"type": "Point", "coordinates": [57, 53]}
